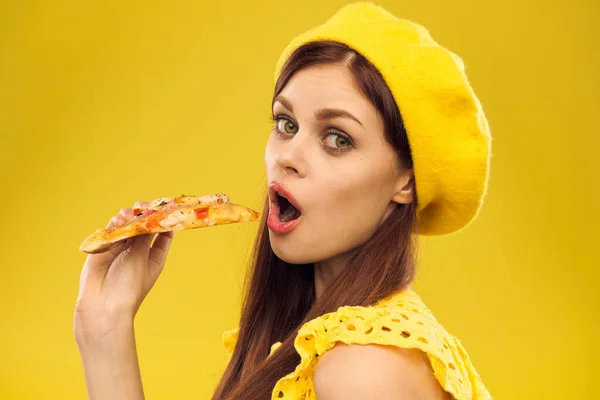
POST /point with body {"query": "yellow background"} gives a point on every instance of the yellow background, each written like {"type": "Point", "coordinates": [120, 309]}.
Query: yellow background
{"type": "Point", "coordinates": [105, 103]}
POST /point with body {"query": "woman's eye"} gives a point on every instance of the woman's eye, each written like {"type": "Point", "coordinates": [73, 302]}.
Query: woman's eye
{"type": "Point", "coordinates": [338, 143]}
{"type": "Point", "coordinates": [286, 126]}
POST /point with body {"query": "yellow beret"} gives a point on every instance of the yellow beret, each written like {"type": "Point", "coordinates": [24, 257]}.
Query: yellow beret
{"type": "Point", "coordinates": [447, 130]}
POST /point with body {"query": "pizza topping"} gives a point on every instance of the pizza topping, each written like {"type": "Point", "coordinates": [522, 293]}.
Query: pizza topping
{"type": "Point", "coordinates": [213, 198]}
{"type": "Point", "coordinates": [175, 218]}
{"type": "Point", "coordinates": [163, 203]}
{"type": "Point", "coordinates": [201, 212]}
{"type": "Point", "coordinates": [153, 223]}
{"type": "Point", "coordinates": [148, 212]}
{"type": "Point", "coordinates": [170, 207]}
{"type": "Point", "coordinates": [159, 202]}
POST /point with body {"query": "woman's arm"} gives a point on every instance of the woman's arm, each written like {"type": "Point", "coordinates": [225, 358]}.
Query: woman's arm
{"type": "Point", "coordinates": [110, 365]}
{"type": "Point", "coordinates": [112, 286]}
{"type": "Point", "coordinates": [355, 372]}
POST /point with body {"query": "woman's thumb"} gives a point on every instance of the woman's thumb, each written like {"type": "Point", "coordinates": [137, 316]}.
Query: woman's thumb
{"type": "Point", "coordinates": [97, 265]}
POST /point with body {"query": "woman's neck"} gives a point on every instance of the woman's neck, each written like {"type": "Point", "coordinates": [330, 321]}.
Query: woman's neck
{"type": "Point", "coordinates": [326, 271]}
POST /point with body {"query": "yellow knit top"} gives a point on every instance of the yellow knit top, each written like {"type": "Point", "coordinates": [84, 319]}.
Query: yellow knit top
{"type": "Point", "coordinates": [400, 320]}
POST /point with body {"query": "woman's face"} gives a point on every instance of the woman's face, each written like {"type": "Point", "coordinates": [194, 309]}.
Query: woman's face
{"type": "Point", "coordinates": [328, 150]}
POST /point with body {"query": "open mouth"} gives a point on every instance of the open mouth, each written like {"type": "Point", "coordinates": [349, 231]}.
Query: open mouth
{"type": "Point", "coordinates": [287, 211]}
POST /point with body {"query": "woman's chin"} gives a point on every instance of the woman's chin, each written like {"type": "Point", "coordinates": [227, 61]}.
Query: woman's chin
{"type": "Point", "coordinates": [288, 252]}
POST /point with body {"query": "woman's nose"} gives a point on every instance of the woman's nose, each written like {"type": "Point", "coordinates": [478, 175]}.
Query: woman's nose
{"type": "Point", "coordinates": [291, 158]}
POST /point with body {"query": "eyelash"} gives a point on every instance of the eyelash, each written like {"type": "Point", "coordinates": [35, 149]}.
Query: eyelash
{"type": "Point", "coordinates": [275, 119]}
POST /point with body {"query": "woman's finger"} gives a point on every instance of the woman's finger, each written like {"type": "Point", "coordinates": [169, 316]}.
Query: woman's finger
{"type": "Point", "coordinates": [115, 221]}
{"type": "Point", "coordinates": [97, 265]}
{"type": "Point", "coordinates": [140, 246]}
{"type": "Point", "coordinates": [159, 251]}
{"type": "Point", "coordinates": [126, 213]}
{"type": "Point", "coordinates": [120, 220]}
{"type": "Point", "coordinates": [141, 204]}
{"type": "Point", "coordinates": [111, 223]}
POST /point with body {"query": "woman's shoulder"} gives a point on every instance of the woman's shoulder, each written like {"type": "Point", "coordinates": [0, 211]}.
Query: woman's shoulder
{"type": "Point", "coordinates": [357, 372]}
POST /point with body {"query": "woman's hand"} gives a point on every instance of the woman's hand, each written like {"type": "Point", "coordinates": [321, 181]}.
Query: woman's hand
{"type": "Point", "coordinates": [114, 283]}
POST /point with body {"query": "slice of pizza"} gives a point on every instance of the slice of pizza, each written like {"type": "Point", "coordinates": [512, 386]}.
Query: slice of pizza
{"type": "Point", "coordinates": [171, 214]}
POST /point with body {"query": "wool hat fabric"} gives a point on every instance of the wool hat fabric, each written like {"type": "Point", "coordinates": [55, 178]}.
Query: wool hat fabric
{"type": "Point", "coordinates": [447, 130]}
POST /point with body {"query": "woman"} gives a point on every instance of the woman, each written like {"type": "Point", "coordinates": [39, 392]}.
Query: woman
{"type": "Point", "coordinates": [368, 111]}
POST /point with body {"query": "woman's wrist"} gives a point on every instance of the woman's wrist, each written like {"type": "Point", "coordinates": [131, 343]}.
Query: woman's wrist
{"type": "Point", "coordinates": [100, 329]}
{"type": "Point", "coordinates": [105, 338]}
{"type": "Point", "coordinates": [111, 364]}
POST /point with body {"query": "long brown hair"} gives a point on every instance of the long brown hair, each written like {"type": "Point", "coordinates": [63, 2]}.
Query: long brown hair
{"type": "Point", "coordinates": [280, 297]}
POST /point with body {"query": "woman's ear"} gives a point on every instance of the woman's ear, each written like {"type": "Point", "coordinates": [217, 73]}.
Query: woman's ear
{"type": "Point", "coordinates": [404, 191]}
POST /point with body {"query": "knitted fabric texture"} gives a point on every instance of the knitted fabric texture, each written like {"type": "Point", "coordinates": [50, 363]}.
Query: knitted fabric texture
{"type": "Point", "coordinates": [401, 320]}
{"type": "Point", "coordinates": [447, 130]}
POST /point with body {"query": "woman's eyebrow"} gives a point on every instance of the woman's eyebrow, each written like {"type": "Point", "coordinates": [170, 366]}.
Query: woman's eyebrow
{"type": "Point", "coordinates": [330, 113]}
{"type": "Point", "coordinates": [321, 113]}
{"type": "Point", "coordinates": [285, 102]}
